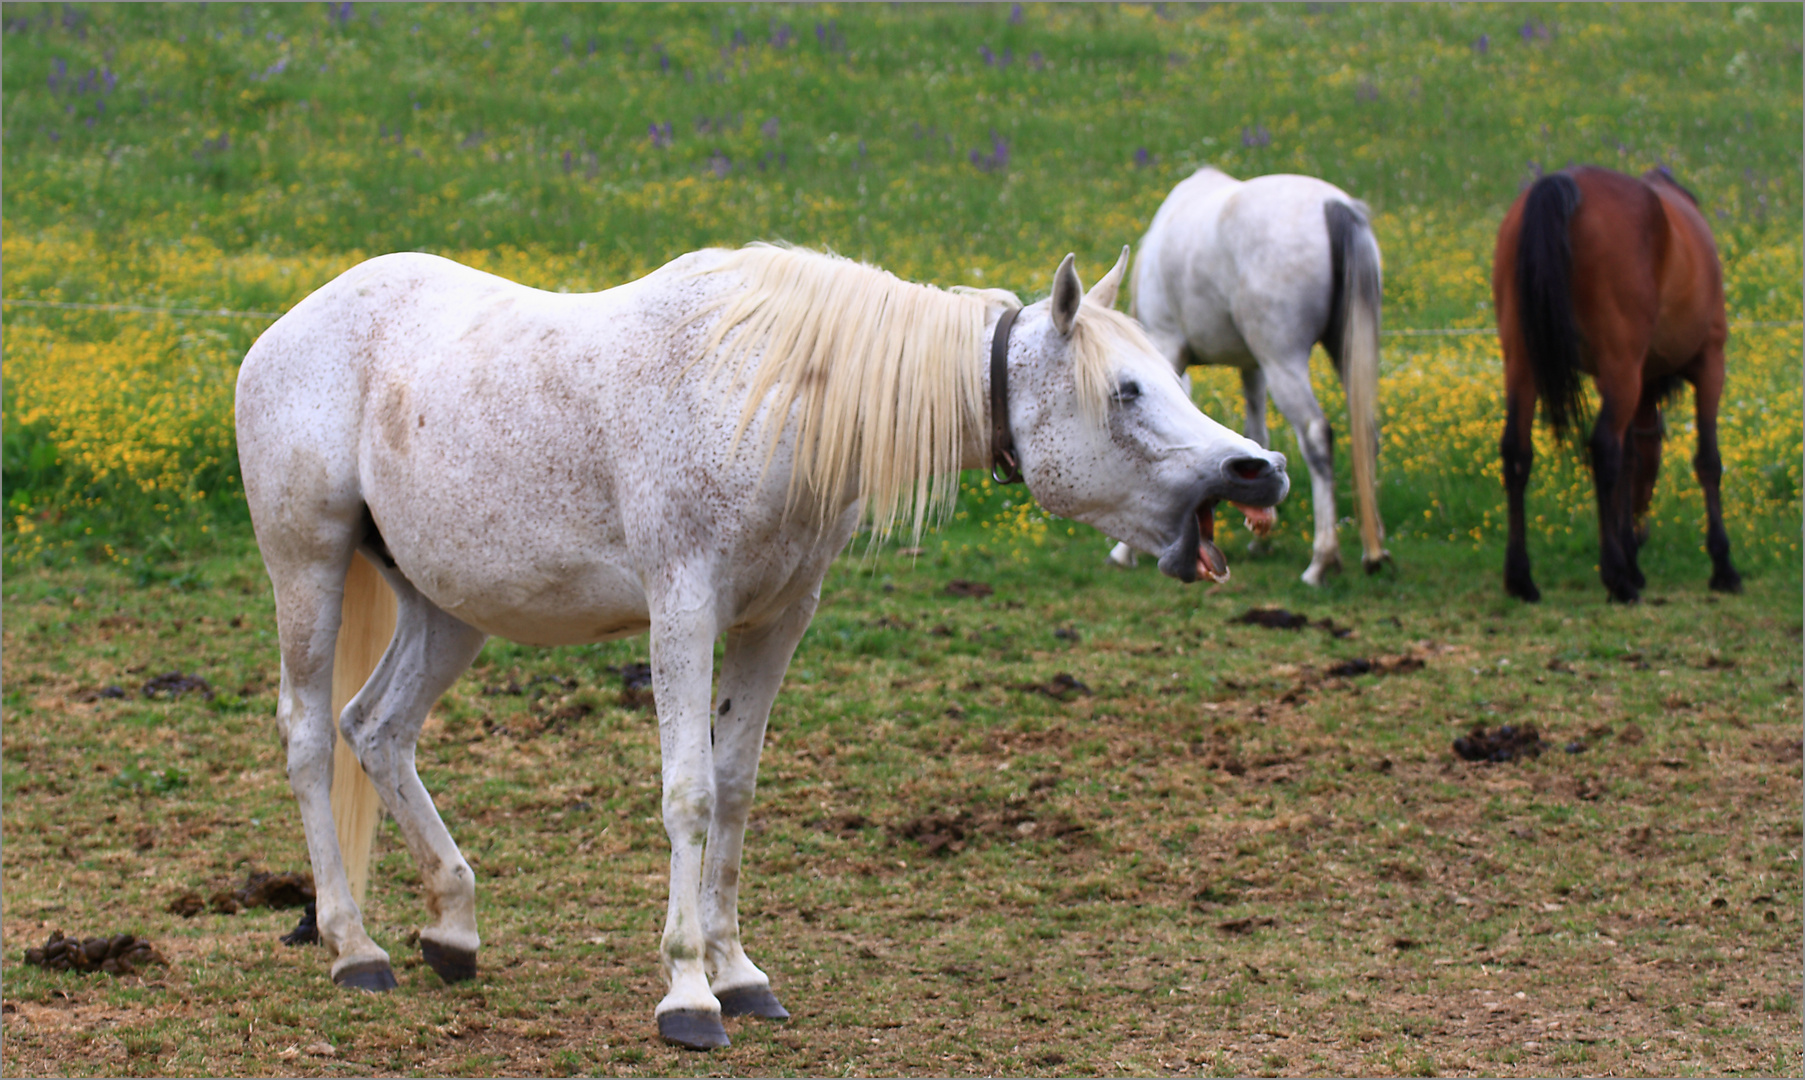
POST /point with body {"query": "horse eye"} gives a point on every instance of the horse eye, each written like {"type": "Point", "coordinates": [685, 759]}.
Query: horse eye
{"type": "Point", "coordinates": [1128, 391]}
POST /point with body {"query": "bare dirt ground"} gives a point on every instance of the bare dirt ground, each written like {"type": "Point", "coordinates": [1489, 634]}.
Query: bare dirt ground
{"type": "Point", "coordinates": [1072, 827]}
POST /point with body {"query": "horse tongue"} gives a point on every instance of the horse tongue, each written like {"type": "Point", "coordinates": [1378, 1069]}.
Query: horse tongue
{"type": "Point", "coordinates": [1210, 561]}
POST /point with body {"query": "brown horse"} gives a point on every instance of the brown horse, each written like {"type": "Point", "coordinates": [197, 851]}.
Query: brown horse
{"type": "Point", "coordinates": [1616, 277]}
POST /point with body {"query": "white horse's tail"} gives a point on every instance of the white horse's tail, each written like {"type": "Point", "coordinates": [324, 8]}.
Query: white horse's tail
{"type": "Point", "coordinates": [1353, 340]}
{"type": "Point", "coordinates": [367, 623]}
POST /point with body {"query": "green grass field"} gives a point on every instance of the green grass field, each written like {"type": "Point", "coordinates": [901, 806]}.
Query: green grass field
{"type": "Point", "coordinates": [1235, 851]}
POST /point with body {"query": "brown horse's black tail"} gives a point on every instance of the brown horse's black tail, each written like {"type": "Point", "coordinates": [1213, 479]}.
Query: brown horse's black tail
{"type": "Point", "coordinates": [1545, 300]}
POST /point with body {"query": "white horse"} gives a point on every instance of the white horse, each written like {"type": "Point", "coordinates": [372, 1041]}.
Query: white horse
{"type": "Point", "coordinates": [684, 455]}
{"type": "Point", "coordinates": [1251, 274]}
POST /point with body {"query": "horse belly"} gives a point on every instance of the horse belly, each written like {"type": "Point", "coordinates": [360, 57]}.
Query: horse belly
{"type": "Point", "coordinates": [599, 604]}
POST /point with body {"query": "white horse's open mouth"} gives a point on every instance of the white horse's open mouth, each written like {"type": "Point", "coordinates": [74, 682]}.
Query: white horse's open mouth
{"type": "Point", "coordinates": [1195, 555]}
{"type": "Point", "coordinates": [1211, 563]}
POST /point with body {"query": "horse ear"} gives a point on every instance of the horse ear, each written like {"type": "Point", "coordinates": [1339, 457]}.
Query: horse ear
{"type": "Point", "coordinates": [1068, 293]}
{"type": "Point", "coordinates": [1103, 293]}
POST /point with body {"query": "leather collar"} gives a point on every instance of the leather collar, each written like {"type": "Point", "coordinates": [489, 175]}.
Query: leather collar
{"type": "Point", "coordinates": [1004, 468]}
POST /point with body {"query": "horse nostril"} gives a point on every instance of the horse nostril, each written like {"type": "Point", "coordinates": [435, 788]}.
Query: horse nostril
{"type": "Point", "coordinates": [1250, 468]}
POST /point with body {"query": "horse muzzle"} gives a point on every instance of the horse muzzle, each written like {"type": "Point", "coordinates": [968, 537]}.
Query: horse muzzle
{"type": "Point", "coordinates": [1253, 485]}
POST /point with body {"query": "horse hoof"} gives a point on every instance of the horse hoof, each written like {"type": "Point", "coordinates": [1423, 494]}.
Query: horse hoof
{"type": "Point", "coordinates": [374, 976]}
{"type": "Point", "coordinates": [1373, 566]}
{"type": "Point", "coordinates": [452, 965]}
{"type": "Point", "coordinates": [692, 1029]}
{"type": "Point", "coordinates": [1728, 583]}
{"type": "Point", "coordinates": [752, 1001]}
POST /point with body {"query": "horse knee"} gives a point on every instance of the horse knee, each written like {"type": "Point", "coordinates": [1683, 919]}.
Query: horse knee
{"type": "Point", "coordinates": [689, 809]}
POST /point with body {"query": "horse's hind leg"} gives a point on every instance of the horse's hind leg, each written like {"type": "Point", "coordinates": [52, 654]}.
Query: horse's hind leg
{"type": "Point", "coordinates": [1253, 393]}
{"type": "Point", "coordinates": [1517, 449]}
{"type": "Point", "coordinates": [751, 671]}
{"type": "Point", "coordinates": [382, 724]}
{"type": "Point", "coordinates": [1611, 476]}
{"type": "Point", "coordinates": [1708, 384]}
{"type": "Point", "coordinates": [1289, 380]}
{"type": "Point", "coordinates": [308, 597]}
{"type": "Point", "coordinates": [1646, 435]}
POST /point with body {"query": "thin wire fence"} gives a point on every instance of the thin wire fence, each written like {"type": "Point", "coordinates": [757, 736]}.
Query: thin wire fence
{"type": "Point", "coordinates": [227, 313]}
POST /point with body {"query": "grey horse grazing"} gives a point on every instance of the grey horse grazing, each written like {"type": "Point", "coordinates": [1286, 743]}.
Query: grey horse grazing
{"type": "Point", "coordinates": [1251, 274]}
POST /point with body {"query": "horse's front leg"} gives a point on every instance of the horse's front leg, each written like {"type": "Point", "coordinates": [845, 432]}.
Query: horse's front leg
{"type": "Point", "coordinates": [1708, 388]}
{"type": "Point", "coordinates": [751, 672]}
{"type": "Point", "coordinates": [683, 633]}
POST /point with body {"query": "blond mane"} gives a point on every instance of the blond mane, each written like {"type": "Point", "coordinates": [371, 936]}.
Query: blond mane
{"type": "Point", "coordinates": [882, 379]}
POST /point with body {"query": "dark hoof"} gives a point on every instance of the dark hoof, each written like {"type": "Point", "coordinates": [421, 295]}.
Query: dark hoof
{"type": "Point", "coordinates": [1625, 596]}
{"type": "Point", "coordinates": [307, 931]}
{"type": "Point", "coordinates": [1373, 566]}
{"type": "Point", "coordinates": [1730, 582]}
{"type": "Point", "coordinates": [752, 1001]}
{"type": "Point", "coordinates": [692, 1030]}
{"type": "Point", "coordinates": [453, 965]}
{"type": "Point", "coordinates": [374, 976]}
{"type": "Point", "coordinates": [1525, 591]}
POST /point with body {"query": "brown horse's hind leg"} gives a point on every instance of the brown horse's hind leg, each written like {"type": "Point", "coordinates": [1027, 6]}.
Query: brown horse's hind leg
{"type": "Point", "coordinates": [1612, 474]}
{"type": "Point", "coordinates": [1708, 384]}
{"type": "Point", "coordinates": [1646, 435]}
{"type": "Point", "coordinates": [1518, 449]}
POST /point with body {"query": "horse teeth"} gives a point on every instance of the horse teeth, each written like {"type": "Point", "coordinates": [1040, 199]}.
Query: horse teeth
{"type": "Point", "coordinates": [1210, 562]}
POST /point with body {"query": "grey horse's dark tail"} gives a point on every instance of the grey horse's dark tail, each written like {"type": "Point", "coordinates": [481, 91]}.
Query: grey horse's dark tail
{"type": "Point", "coordinates": [1352, 340]}
{"type": "Point", "coordinates": [1545, 300]}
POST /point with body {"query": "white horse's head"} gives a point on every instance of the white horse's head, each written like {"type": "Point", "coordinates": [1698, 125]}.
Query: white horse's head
{"type": "Point", "coordinates": [1106, 434]}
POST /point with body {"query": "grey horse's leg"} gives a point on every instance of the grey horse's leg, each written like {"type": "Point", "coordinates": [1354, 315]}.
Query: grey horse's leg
{"type": "Point", "coordinates": [1253, 390]}
{"type": "Point", "coordinates": [310, 587]}
{"type": "Point", "coordinates": [382, 724]}
{"type": "Point", "coordinates": [1289, 380]}
{"type": "Point", "coordinates": [751, 672]}
{"type": "Point", "coordinates": [683, 633]}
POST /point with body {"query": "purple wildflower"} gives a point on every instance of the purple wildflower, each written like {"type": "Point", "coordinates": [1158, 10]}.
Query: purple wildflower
{"type": "Point", "coordinates": [58, 72]}
{"type": "Point", "coordinates": [781, 36]}
{"type": "Point", "coordinates": [661, 134]}
{"type": "Point", "coordinates": [1142, 158]}
{"type": "Point", "coordinates": [998, 158]}
{"type": "Point", "coordinates": [769, 128]}
{"type": "Point", "coordinates": [339, 12]}
{"type": "Point", "coordinates": [720, 164]}
{"type": "Point", "coordinates": [567, 163]}
{"type": "Point", "coordinates": [1015, 14]}
{"type": "Point", "coordinates": [1255, 137]}
{"type": "Point", "coordinates": [1483, 45]}
{"type": "Point", "coordinates": [990, 58]}
{"type": "Point", "coordinates": [1036, 61]}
